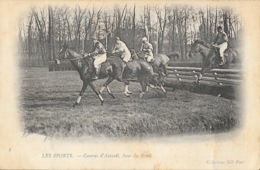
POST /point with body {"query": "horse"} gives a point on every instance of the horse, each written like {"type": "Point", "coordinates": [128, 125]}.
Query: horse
{"type": "Point", "coordinates": [110, 69]}
{"type": "Point", "coordinates": [146, 78]}
{"type": "Point", "coordinates": [160, 63]}
{"type": "Point", "coordinates": [210, 56]}
{"type": "Point", "coordinates": [174, 55]}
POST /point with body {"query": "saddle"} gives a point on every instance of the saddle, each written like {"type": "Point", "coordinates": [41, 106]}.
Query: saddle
{"type": "Point", "coordinates": [88, 64]}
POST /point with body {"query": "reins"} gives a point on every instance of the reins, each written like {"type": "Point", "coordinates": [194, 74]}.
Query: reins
{"type": "Point", "coordinates": [72, 58]}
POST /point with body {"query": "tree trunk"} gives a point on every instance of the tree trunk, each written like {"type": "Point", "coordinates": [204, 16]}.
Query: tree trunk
{"type": "Point", "coordinates": [225, 18]}
{"type": "Point", "coordinates": [133, 28]}
{"type": "Point", "coordinates": [216, 21]}
{"type": "Point", "coordinates": [173, 31]}
{"type": "Point", "coordinates": [50, 34]}
{"type": "Point", "coordinates": [185, 34]}
{"type": "Point", "coordinates": [30, 37]}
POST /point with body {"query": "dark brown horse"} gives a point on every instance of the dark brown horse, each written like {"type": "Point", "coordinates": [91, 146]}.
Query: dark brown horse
{"type": "Point", "coordinates": [210, 56]}
{"type": "Point", "coordinates": [111, 68]}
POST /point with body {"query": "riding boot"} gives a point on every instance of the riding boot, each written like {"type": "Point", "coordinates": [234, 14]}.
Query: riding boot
{"type": "Point", "coordinates": [121, 74]}
{"type": "Point", "coordinates": [221, 61]}
{"type": "Point", "coordinates": [96, 74]}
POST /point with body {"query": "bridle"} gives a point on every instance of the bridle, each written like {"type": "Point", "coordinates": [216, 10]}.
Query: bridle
{"type": "Point", "coordinates": [66, 53]}
{"type": "Point", "coordinates": [196, 50]}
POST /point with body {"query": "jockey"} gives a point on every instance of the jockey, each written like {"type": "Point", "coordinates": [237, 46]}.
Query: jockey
{"type": "Point", "coordinates": [99, 54]}
{"type": "Point", "coordinates": [122, 50]}
{"type": "Point", "coordinates": [221, 42]}
{"type": "Point", "coordinates": [147, 49]}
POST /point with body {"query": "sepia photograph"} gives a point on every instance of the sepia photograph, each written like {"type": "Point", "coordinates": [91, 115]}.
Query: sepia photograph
{"type": "Point", "coordinates": [130, 85]}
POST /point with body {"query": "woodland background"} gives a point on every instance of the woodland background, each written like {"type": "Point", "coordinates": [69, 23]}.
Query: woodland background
{"type": "Point", "coordinates": [171, 29]}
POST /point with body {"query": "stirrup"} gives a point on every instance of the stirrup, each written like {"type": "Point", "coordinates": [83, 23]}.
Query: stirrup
{"type": "Point", "coordinates": [221, 63]}
{"type": "Point", "coordinates": [95, 77]}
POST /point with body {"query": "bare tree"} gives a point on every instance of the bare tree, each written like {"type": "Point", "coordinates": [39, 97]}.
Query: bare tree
{"type": "Point", "coordinates": [119, 16]}
{"type": "Point", "coordinates": [78, 17]}
{"type": "Point", "coordinates": [30, 36]}
{"type": "Point", "coordinates": [133, 27]}
{"type": "Point", "coordinates": [41, 30]}
{"type": "Point", "coordinates": [162, 20]}
{"type": "Point", "coordinates": [90, 24]}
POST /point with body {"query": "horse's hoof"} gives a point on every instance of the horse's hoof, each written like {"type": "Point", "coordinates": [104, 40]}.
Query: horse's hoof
{"type": "Point", "coordinates": [129, 92]}
{"type": "Point", "coordinates": [75, 104]}
{"type": "Point", "coordinates": [141, 95]}
{"type": "Point", "coordinates": [102, 102]}
{"type": "Point", "coordinates": [126, 94]}
{"type": "Point", "coordinates": [111, 94]}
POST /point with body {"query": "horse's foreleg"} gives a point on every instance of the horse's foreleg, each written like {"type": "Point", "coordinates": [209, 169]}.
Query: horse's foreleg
{"type": "Point", "coordinates": [143, 83]}
{"type": "Point", "coordinates": [83, 89]}
{"type": "Point", "coordinates": [165, 70]}
{"type": "Point", "coordinates": [110, 93]}
{"type": "Point", "coordinates": [97, 93]}
{"type": "Point", "coordinates": [157, 83]}
{"type": "Point", "coordinates": [127, 92]}
{"type": "Point", "coordinates": [204, 70]}
{"type": "Point", "coordinates": [105, 85]}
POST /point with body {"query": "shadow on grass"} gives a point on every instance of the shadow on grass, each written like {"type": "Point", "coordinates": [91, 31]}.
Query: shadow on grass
{"type": "Point", "coordinates": [225, 91]}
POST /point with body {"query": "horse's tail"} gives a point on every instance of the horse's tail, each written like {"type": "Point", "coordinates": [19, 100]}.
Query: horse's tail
{"type": "Point", "coordinates": [236, 56]}
{"type": "Point", "coordinates": [148, 72]}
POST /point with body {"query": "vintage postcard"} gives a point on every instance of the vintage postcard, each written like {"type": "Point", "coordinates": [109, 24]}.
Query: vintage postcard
{"type": "Point", "coordinates": [129, 84]}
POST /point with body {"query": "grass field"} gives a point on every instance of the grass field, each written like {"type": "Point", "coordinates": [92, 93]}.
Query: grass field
{"type": "Point", "coordinates": [47, 99]}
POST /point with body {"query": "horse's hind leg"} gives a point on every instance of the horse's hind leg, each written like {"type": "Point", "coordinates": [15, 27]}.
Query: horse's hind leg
{"type": "Point", "coordinates": [81, 94]}
{"type": "Point", "coordinates": [97, 93]}
{"type": "Point", "coordinates": [204, 70]}
{"type": "Point", "coordinates": [105, 85]}
{"type": "Point", "coordinates": [126, 92]}
{"type": "Point", "coordinates": [110, 93]}
{"type": "Point", "coordinates": [143, 83]}
{"type": "Point", "coordinates": [153, 78]}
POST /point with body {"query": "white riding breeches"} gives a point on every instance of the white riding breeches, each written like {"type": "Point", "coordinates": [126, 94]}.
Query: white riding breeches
{"type": "Point", "coordinates": [222, 48]}
{"type": "Point", "coordinates": [100, 58]}
{"type": "Point", "coordinates": [149, 57]}
{"type": "Point", "coordinates": [126, 57]}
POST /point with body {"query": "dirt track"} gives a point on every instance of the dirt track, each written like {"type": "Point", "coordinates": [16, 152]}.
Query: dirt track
{"type": "Point", "coordinates": [47, 99]}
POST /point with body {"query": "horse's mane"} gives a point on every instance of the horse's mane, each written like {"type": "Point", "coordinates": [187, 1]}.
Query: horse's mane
{"type": "Point", "coordinates": [201, 43]}
{"type": "Point", "coordinates": [75, 53]}
{"type": "Point", "coordinates": [133, 54]}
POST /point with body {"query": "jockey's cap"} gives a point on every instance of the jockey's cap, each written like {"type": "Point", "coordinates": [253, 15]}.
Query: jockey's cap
{"type": "Point", "coordinates": [94, 38]}
{"type": "Point", "coordinates": [117, 38]}
{"type": "Point", "coordinates": [219, 28]}
{"type": "Point", "coordinates": [144, 39]}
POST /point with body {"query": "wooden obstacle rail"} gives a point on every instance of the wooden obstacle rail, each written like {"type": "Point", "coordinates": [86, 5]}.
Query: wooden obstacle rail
{"type": "Point", "coordinates": [219, 76]}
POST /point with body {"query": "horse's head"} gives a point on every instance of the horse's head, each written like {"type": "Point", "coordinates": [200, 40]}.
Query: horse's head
{"type": "Point", "coordinates": [198, 46]}
{"type": "Point", "coordinates": [174, 55]}
{"type": "Point", "coordinates": [63, 54]}
{"type": "Point", "coordinates": [134, 54]}
{"type": "Point", "coordinates": [195, 48]}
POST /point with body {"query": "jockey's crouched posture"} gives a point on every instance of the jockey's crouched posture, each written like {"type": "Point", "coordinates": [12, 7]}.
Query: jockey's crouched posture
{"type": "Point", "coordinates": [121, 49]}
{"type": "Point", "coordinates": [147, 49]}
{"type": "Point", "coordinates": [124, 53]}
{"type": "Point", "coordinates": [221, 42]}
{"type": "Point", "coordinates": [99, 54]}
